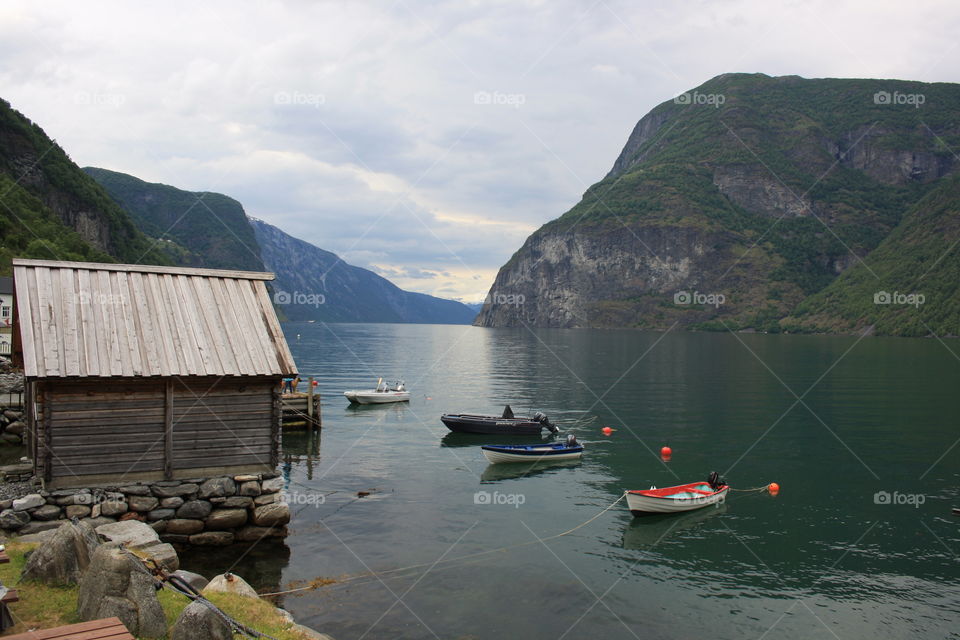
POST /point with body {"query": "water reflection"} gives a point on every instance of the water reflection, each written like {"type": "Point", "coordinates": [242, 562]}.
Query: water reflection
{"type": "Point", "coordinates": [301, 447]}
{"type": "Point", "coordinates": [261, 564]}
{"type": "Point", "coordinates": [649, 531]}
{"type": "Point", "coordinates": [498, 472]}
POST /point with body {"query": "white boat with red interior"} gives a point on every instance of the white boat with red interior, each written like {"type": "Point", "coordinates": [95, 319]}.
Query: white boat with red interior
{"type": "Point", "coordinates": [683, 497]}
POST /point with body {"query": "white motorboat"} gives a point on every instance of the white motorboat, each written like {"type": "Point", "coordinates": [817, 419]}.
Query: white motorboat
{"type": "Point", "coordinates": [382, 394]}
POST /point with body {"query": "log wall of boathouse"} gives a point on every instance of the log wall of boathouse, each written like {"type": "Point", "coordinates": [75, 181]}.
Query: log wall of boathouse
{"type": "Point", "coordinates": [90, 432]}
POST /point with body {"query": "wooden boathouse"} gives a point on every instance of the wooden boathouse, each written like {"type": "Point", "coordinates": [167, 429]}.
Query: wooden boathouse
{"type": "Point", "coordinates": [140, 372]}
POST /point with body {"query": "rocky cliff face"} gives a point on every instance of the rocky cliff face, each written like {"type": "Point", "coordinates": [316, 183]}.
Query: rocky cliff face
{"type": "Point", "coordinates": [607, 277]}
{"type": "Point", "coordinates": [731, 205]}
{"type": "Point", "coordinates": [55, 210]}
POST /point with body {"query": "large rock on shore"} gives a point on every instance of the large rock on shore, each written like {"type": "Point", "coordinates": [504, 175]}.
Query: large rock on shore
{"type": "Point", "coordinates": [198, 622]}
{"type": "Point", "coordinates": [143, 539]}
{"type": "Point", "coordinates": [63, 558]}
{"type": "Point", "coordinates": [13, 520]}
{"type": "Point", "coordinates": [114, 585]}
{"type": "Point", "coordinates": [230, 583]}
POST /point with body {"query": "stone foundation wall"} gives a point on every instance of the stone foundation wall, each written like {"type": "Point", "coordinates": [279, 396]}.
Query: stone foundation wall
{"type": "Point", "coordinates": [12, 426]}
{"type": "Point", "coordinates": [203, 511]}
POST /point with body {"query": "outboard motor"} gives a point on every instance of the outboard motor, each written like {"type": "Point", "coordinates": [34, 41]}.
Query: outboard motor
{"type": "Point", "coordinates": [542, 419]}
{"type": "Point", "coordinates": [715, 481]}
{"type": "Point", "coordinates": [571, 440]}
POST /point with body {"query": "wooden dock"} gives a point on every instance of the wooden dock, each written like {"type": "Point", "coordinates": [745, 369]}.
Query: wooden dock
{"type": "Point", "coordinates": [301, 410]}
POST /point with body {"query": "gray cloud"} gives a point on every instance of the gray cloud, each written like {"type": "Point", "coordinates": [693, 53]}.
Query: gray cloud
{"type": "Point", "coordinates": [424, 139]}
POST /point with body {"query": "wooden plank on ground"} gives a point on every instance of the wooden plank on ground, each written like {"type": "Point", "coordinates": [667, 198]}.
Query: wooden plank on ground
{"type": "Point", "coordinates": [104, 629]}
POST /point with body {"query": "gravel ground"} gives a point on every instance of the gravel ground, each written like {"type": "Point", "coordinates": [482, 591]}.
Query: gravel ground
{"type": "Point", "coordinates": [11, 490]}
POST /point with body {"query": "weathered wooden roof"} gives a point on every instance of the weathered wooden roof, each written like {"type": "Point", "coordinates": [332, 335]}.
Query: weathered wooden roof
{"type": "Point", "coordinates": [114, 320]}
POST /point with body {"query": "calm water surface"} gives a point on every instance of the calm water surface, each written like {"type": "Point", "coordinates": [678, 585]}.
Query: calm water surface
{"type": "Point", "coordinates": [834, 421]}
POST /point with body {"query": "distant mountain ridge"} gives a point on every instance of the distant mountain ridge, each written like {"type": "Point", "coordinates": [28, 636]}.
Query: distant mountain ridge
{"type": "Point", "coordinates": [207, 229]}
{"type": "Point", "coordinates": [738, 204]}
{"type": "Point", "coordinates": [314, 284]}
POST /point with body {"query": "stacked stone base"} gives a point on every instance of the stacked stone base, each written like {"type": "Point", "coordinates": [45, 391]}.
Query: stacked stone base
{"type": "Point", "coordinates": [12, 426]}
{"type": "Point", "coordinates": [214, 511]}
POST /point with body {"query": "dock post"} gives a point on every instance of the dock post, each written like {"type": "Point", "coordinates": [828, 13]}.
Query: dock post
{"type": "Point", "coordinates": [310, 419]}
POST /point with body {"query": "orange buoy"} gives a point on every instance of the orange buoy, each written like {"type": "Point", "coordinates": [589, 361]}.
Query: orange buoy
{"type": "Point", "coordinates": [606, 431]}
{"type": "Point", "coordinates": [666, 452]}
{"type": "Point", "coordinates": [773, 488]}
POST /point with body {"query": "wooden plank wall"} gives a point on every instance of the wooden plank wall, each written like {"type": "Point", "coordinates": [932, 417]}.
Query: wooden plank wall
{"type": "Point", "coordinates": [97, 428]}
{"type": "Point", "coordinates": [222, 422]}
{"type": "Point", "coordinates": [118, 427]}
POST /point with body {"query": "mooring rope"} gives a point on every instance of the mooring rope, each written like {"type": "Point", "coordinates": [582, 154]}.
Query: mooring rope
{"type": "Point", "coordinates": [468, 556]}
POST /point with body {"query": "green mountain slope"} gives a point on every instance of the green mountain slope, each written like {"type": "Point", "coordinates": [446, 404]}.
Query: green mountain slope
{"type": "Point", "coordinates": [206, 229]}
{"type": "Point", "coordinates": [50, 209]}
{"type": "Point", "coordinates": [909, 285]}
{"type": "Point", "coordinates": [733, 203]}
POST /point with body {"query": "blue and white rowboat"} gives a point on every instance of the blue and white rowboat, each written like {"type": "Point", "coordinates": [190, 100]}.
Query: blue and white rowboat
{"type": "Point", "coordinates": [497, 453]}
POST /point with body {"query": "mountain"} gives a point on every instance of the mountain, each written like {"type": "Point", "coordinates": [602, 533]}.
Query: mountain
{"type": "Point", "coordinates": [206, 229]}
{"type": "Point", "coordinates": [740, 203]}
{"type": "Point", "coordinates": [909, 285]}
{"type": "Point", "coordinates": [313, 284]}
{"type": "Point", "coordinates": [52, 210]}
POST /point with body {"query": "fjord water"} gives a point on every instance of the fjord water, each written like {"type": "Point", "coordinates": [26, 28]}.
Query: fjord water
{"type": "Point", "coordinates": [835, 421]}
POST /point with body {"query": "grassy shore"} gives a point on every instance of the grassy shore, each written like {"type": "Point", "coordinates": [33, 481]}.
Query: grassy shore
{"type": "Point", "coordinates": [43, 606]}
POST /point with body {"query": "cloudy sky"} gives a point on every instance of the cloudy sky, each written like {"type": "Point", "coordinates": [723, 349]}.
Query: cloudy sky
{"type": "Point", "coordinates": [423, 140]}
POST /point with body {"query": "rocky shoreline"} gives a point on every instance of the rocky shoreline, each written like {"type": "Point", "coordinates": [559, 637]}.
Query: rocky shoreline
{"type": "Point", "coordinates": [107, 564]}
